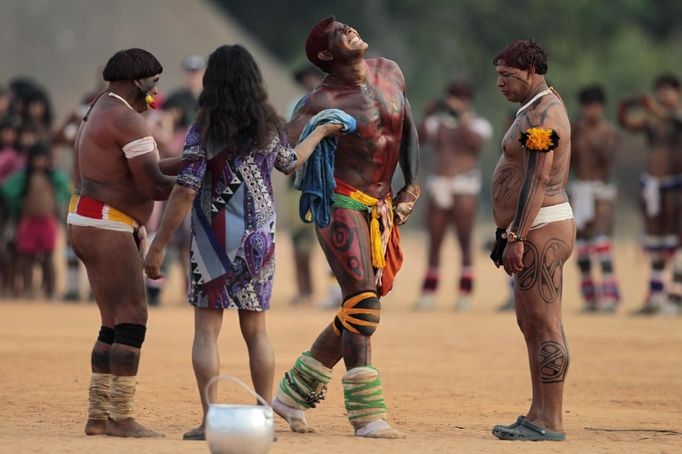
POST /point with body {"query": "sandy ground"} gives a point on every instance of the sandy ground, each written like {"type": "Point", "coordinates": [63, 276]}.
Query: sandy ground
{"type": "Point", "coordinates": [448, 377]}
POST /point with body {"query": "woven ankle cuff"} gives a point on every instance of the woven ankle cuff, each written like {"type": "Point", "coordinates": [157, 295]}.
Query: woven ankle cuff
{"type": "Point", "coordinates": [121, 398]}
{"type": "Point", "coordinates": [99, 390]}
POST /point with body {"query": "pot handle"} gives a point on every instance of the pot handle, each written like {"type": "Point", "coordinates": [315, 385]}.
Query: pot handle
{"type": "Point", "coordinates": [237, 381]}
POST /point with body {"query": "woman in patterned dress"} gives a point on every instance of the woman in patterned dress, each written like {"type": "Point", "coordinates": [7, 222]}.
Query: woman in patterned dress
{"type": "Point", "coordinates": [228, 158]}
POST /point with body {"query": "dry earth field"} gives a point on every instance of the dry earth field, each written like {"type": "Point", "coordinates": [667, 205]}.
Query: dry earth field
{"type": "Point", "coordinates": [448, 377]}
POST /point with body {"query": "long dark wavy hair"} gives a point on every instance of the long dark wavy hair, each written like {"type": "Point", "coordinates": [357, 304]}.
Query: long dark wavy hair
{"type": "Point", "coordinates": [234, 111]}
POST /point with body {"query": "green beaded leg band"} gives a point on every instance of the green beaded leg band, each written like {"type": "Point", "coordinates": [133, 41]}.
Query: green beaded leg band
{"type": "Point", "coordinates": [363, 395]}
{"type": "Point", "coordinates": [305, 384]}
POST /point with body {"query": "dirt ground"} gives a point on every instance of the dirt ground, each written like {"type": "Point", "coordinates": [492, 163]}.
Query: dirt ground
{"type": "Point", "coordinates": [448, 377]}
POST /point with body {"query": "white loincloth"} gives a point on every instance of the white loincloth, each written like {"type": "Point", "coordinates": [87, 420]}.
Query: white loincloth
{"type": "Point", "coordinates": [104, 224]}
{"type": "Point", "coordinates": [443, 189]}
{"type": "Point", "coordinates": [554, 213]}
{"type": "Point", "coordinates": [651, 191]}
{"type": "Point", "coordinates": [584, 194]}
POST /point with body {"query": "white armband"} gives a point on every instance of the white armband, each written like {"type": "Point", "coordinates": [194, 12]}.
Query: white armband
{"type": "Point", "coordinates": [139, 147]}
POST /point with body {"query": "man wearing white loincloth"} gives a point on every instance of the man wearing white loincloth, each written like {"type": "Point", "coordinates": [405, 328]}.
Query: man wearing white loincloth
{"type": "Point", "coordinates": [660, 119]}
{"type": "Point", "coordinates": [594, 141]}
{"type": "Point", "coordinates": [457, 136]}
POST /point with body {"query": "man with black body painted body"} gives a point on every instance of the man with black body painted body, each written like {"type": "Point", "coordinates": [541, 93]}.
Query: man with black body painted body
{"type": "Point", "coordinates": [531, 207]}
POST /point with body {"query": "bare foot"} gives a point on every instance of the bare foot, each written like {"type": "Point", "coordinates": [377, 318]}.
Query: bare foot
{"type": "Point", "coordinates": [378, 429]}
{"type": "Point", "coordinates": [294, 416]}
{"type": "Point", "coordinates": [129, 428]}
{"type": "Point", "coordinates": [96, 427]}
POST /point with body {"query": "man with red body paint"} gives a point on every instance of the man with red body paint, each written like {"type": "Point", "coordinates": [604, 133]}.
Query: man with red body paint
{"type": "Point", "coordinates": [373, 92]}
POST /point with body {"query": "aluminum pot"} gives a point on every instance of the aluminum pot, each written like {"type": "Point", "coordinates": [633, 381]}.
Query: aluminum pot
{"type": "Point", "coordinates": [238, 429]}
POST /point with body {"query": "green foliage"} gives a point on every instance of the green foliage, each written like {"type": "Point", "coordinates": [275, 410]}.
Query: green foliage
{"type": "Point", "coordinates": [622, 44]}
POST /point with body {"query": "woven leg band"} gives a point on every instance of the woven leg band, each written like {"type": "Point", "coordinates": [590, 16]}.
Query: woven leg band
{"type": "Point", "coordinates": [100, 387]}
{"type": "Point", "coordinates": [121, 398]}
{"type": "Point", "coordinates": [363, 396]}
{"type": "Point", "coordinates": [305, 384]}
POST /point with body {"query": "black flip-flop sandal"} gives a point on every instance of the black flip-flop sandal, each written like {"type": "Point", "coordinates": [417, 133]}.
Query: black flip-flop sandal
{"type": "Point", "coordinates": [513, 425]}
{"type": "Point", "coordinates": [528, 431]}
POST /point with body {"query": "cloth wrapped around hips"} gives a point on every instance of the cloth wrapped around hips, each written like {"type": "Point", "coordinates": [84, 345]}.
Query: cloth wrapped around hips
{"type": "Point", "coordinates": [384, 235]}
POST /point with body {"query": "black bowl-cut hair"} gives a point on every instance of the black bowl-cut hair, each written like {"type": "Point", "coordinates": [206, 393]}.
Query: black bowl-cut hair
{"type": "Point", "coordinates": [131, 64]}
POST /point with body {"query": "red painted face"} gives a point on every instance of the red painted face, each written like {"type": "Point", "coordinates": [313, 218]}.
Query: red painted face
{"type": "Point", "coordinates": [512, 82]}
{"type": "Point", "coordinates": [345, 42]}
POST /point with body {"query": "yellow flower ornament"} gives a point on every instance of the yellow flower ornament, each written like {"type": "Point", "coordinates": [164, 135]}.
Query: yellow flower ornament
{"type": "Point", "coordinates": [539, 139]}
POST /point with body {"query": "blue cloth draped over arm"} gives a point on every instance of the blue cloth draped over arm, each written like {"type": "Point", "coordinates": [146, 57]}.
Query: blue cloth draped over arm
{"type": "Point", "coordinates": [315, 179]}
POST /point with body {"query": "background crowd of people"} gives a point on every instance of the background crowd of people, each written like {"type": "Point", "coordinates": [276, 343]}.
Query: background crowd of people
{"type": "Point", "coordinates": [455, 135]}
{"type": "Point", "coordinates": [36, 180]}
{"type": "Point", "coordinates": [35, 169]}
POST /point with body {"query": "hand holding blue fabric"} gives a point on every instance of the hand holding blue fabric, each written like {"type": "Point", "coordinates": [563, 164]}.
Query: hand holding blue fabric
{"type": "Point", "coordinates": [315, 179]}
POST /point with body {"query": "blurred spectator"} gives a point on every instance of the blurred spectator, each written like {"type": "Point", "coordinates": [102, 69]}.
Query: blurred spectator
{"type": "Point", "coordinates": [457, 135]}
{"type": "Point", "coordinates": [594, 142]}
{"type": "Point", "coordinates": [169, 127]}
{"type": "Point", "coordinates": [27, 191]}
{"type": "Point", "coordinates": [19, 89]}
{"type": "Point", "coordinates": [187, 96]}
{"type": "Point", "coordinates": [37, 197]}
{"type": "Point", "coordinates": [10, 159]}
{"type": "Point", "coordinates": [659, 118]}
{"type": "Point", "coordinates": [180, 119]}
{"type": "Point", "coordinates": [29, 103]}
{"type": "Point", "coordinates": [4, 103]}
{"type": "Point", "coordinates": [27, 136]}
{"type": "Point", "coordinates": [37, 111]}
{"type": "Point", "coordinates": [308, 77]}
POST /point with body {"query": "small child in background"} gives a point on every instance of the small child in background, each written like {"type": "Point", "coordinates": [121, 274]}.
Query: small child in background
{"type": "Point", "coordinates": [39, 196]}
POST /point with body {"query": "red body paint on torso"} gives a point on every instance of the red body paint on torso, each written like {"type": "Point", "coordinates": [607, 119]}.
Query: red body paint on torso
{"type": "Point", "coordinates": [368, 158]}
